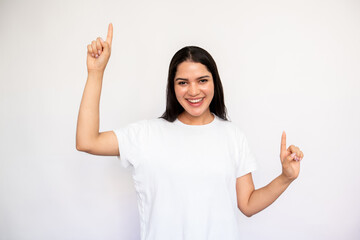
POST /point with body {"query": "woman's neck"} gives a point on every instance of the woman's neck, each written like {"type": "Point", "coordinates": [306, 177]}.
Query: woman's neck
{"type": "Point", "coordinates": [188, 119]}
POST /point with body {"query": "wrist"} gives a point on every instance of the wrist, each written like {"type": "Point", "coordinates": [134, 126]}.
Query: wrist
{"type": "Point", "coordinates": [95, 76]}
{"type": "Point", "coordinates": [285, 179]}
{"type": "Point", "coordinates": [96, 72]}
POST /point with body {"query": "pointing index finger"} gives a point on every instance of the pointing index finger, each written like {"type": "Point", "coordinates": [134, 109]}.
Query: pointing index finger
{"type": "Point", "coordinates": [110, 34]}
{"type": "Point", "coordinates": [283, 142]}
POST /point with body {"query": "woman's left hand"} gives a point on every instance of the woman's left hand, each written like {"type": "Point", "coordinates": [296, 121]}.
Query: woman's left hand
{"type": "Point", "coordinates": [290, 159]}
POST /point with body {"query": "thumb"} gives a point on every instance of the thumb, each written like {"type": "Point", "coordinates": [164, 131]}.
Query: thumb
{"type": "Point", "coordinates": [290, 157]}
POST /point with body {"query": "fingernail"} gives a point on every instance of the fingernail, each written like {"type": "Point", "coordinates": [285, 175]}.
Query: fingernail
{"type": "Point", "coordinates": [293, 154]}
{"type": "Point", "coordinates": [96, 55]}
{"type": "Point", "coordinates": [92, 55]}
{"type": "Point", "coordinates": [99, 52]}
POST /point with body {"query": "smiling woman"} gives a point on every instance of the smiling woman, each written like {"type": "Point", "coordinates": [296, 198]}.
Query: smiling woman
{"type": "Point", "coordinates": [194, 90]}
{"type": "Point", "coordinates": [192, 167]}
{"type": "Point", "coordinates": [192, 75]}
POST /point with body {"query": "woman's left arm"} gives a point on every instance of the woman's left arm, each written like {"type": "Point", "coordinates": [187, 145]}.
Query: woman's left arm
{"type": "Point", "coordinates": [251, 201]}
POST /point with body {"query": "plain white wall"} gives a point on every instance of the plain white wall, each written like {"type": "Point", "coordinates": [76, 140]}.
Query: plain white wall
{"type": "Point", "coordinates": [285, 65]}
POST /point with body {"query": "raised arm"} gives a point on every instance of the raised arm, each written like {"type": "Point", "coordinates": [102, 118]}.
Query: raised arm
{"type": "Point", "coordinates": [88, 138]}
{"type": "Point", "coordinates": [251, 201]}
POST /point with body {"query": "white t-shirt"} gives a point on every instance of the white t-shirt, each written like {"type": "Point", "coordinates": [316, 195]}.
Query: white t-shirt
{"type": "Point", "coordinates": [185, 177]}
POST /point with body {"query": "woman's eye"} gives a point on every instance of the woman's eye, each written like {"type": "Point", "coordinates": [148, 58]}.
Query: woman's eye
{"type": "Point", "coordinates": [203, 80]}
{"type": "Point", "coordinates": [182, 83]}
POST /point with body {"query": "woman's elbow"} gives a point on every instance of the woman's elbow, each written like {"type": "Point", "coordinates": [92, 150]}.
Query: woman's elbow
{"type": "Point", "coordinates": [246, 212]}
{"type": "Point", "coordinates": [82, 147]}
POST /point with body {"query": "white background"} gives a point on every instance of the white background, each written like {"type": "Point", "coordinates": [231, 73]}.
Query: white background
{"type": "Point", "coordinates": [285, 65]}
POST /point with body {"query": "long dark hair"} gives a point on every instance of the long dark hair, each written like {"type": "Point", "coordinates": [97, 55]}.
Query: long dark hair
{"type": "Point", "coordinates": [197, 55]}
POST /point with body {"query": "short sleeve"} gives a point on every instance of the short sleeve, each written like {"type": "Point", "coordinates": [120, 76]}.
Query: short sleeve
{"type": "Point", "coordinates": [130, 139]}
{"type": "Point", "coordinates": [246, 160]}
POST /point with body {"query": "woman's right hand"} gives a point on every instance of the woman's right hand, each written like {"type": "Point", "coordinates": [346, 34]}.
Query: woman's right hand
{"type": "Point", "coordinates": [99, 52]}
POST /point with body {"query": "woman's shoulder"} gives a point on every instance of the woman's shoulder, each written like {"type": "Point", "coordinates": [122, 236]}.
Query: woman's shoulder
{"type": "Point", "coordinates": [226, 123]}
{"type": "Point", "coordinates": [231, 126]}
{"type": "Point", "coordinates": [146, 123]}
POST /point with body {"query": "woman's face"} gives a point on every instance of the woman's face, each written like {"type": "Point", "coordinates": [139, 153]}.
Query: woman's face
{"type": "Point", "coordinates": [194, 89]}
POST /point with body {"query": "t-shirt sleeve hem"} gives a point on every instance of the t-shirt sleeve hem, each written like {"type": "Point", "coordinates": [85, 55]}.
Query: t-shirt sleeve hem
{"type": "Point", "coordinates": [249, 169]}
{"type": "Point", "coordinates": [122, 149]}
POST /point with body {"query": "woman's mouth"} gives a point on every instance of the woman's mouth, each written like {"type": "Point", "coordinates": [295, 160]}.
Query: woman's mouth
{"type": "Point", "coordinates": [195, 102]}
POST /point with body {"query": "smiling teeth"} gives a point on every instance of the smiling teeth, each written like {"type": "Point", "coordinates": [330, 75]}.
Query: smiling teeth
{"type": "Point", "coordinates": [195, 101]}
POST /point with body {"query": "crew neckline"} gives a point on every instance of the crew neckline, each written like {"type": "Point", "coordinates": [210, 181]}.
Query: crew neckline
{"type": "Point", "coordinates": [177, 121]}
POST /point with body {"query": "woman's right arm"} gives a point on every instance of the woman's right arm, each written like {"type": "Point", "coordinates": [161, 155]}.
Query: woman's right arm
{"type": "Point", "coordinates": [88, 138]}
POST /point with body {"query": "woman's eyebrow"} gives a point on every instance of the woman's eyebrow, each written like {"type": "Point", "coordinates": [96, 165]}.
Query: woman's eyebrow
{"type": "Point", "coordinates": [185, 79]}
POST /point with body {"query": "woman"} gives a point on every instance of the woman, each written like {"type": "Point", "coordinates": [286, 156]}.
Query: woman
{"type": "Point", "coordinates": [191, 167]}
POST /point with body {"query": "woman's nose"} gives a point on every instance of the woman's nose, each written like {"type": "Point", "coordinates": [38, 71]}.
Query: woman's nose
{"type": "Point", "coordinates": [193, 90]}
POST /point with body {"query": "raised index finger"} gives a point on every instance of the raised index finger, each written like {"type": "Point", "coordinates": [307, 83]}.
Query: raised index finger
{"type": "Point", "coordinates": [110, 34]}
{"type": "Point", "coordinates": [283, 142]}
